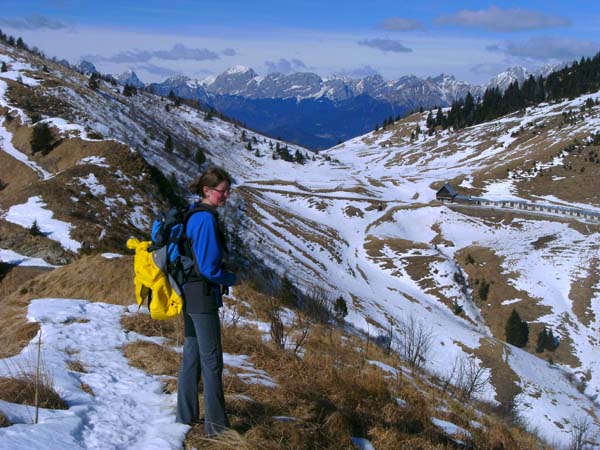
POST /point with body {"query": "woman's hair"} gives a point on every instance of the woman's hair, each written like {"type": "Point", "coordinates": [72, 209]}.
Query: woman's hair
{"type": "Point", "coordinates": [211, 178]}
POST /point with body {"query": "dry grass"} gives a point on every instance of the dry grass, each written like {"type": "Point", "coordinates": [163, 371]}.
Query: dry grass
{"type": "Point", "coordinates": [92, 277]}
{"type": "Point", "coordinates": [87, 388]}
{"type": "Point", "coordinates": [4, 422]}
{"type": "Point", "coordinates": [76, 366]}
{"type": "Point", "coordinates": [143, 324]}
{"type": "Point", "coordinates": [322, 399]}
{"type": "Point", "coordinates": [153, 358]}
{"type": "Point", "coordinates": [583, 291]}
{"type": "Point", "coordinates": [22, 390]}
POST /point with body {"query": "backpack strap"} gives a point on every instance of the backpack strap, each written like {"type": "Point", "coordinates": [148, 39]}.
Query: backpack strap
{"type": "Point", "coordinates": [186, 242]}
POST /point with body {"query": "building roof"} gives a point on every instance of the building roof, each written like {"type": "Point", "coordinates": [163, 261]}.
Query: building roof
{"type": "Point", "coordinates": [448, 188]}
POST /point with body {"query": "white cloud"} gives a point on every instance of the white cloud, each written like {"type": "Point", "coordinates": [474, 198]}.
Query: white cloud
{"type": "Point", "coordinates": [33, 22]}
{"type": "Point", "coordinates": [496, 19]}
{"type": "Point", "coordinates": [362, 71]}
{"type": "Point", "coordinates": [285, 66]}
{"type": "Point", "coordinates": [385, 45]}
{"type": "Point", "coordinates": [488, 69]}
{"type": "Point", "coordinates": [545, 48]}
{"type": "Point", "coordinates": [401, 24]}
{"type": "Point", "coordinates": [178, 52]}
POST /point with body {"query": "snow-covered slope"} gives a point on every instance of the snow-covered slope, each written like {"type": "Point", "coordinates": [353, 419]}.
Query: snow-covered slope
{"type": "Point", "coordinates": [361, 221]}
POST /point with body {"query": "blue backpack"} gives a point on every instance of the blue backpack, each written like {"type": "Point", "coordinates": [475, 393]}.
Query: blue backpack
{"type": "Point", "coordinates": [168, 229]}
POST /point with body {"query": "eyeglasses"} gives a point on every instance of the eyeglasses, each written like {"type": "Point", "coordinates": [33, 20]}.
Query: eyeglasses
{"type": "Point", "coordinates": [222, 191]}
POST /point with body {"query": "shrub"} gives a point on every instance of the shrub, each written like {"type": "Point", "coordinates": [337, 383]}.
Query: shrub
{"type": "Point", "coordinates": [517, 331]}
{"type": "Point", "coordinates": [21, 389]}
{"type": "Point", "coordinates": [340, 308]}
{"type": "Point", "coordinates": [169, 144]}
{"type": "Point", "coordinates": [35, 230]}
{"type": "Point", "coordinates": [484, 290]}
{"type": "Point", "coordinates": [41, 138]}
{"type": "Point", "coordinates": [414, 342]}
{"type": "Point", "coordinates": [199, 157]}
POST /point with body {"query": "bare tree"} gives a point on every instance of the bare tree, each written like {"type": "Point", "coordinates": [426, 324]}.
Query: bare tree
{"type": "Point", "coordinates": [414, 341]}
{"type": "Point", "coordinates": [302, 326]}
{"type": "Point", "coordinates": [467, 378]}
{"type": "Point", "coordinates": [277, 328]}
{"type": "Point", "coordinates": [581, 430]}
{"type": "Point", "coordinates": [317, 304]}
{"type": "Point", "coordinates": [389, 339]}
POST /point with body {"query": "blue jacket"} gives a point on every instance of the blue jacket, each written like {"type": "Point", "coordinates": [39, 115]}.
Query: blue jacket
{"type": "Point", "coordinates": [202, 229]}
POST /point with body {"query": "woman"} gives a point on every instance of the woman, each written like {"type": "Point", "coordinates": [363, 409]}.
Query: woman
{"type": "Point", "coordinates": [202, 352]}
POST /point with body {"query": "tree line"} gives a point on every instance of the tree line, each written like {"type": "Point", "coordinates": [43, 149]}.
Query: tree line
{"type": "Point", "coordinates": [579, 78]}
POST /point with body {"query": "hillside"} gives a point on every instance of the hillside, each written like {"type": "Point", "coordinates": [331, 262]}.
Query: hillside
{"type": "Point", "coordinates": [358, 221]}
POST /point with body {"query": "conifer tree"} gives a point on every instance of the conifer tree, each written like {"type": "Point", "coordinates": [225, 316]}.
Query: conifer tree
{"type": "Point", "coordinates": [199, 157]}
{"type": "Point", "coordinates": [430, 123]}
{"type": "Point", "coordinates": [4, 67]}
{"type": "Point", "coordinates": [93, 82]}
{"type": "Point", "coordinates": [542, 341]}
{"type": "Point", "coordinates": [516, 330]}
{"type": "Point", "coordinates": [340, 308]}
{"type": "Point", "coordinates": [35, 230]}
{"type": "Point", "coordinates": [41, 138]}
{"type": "Point", "coordinates": [169, 144]}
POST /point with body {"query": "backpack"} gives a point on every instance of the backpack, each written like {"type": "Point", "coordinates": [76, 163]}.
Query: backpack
{"type": "Point", "coordinates": [165, 263]}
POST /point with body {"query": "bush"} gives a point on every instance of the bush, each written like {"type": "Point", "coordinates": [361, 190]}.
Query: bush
{"type": "Point", "coordinates": [169, 144]}
{"type": "Point", "coordinates": [199, 157]}
{"type": "Point", "coordinates": [21, 389]}
{"type": "Point", "coordinates": [340, 308]}
{"type": "Point", "coordinates": [484, 290]}
{"type": "Point", "coordinates": [517, 330]}
{"type": "Point", "coordinates": [546, 341]}
{"type": "Point", "coordinates": [35, 230]}
{"type": "Point", "coordinates": [41, 138]}
{"type": "Point", "coordinates": [3, 421]}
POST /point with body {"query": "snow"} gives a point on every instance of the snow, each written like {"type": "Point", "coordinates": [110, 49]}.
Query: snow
{"type": "Point", "coordinates": [449, 428]}
{"type": "Point", "coordinates": [237, 69]}
{"type": "Point", "coordinates": [15, 259]}
{"type": "Point", "coordinates": [99, 161]}
{"type": "Point", "coordinates": [362, 443]}
{"type": "Point", "coordinates": [25, 214]}
{"type": "Point", "coordinates": [111, 255]}
{"type": "Point", "coordinates": [389, 180]}
{"type": "Point", "coordinates": [7, 146]}
{"type": "Point", "coordinates": [128, 408]}
{"type": "Point", "coordinates": [93, 185]}
{"type": "Point", "coordinates": [247, 372]}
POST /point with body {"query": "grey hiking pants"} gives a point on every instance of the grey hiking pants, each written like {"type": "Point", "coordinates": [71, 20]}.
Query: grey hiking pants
{"type": "Point", "coordinates": [202, 357]}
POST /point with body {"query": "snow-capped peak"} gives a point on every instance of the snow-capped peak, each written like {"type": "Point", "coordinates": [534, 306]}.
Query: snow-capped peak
{"type": "Point", "coordinates": [237, 69]}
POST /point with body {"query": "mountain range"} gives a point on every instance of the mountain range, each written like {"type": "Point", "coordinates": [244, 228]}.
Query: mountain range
{"type": "Point", "coordinates": [319, 112]}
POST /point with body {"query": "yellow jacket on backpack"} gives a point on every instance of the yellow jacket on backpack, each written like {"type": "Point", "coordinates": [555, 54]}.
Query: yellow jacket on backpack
{"type": "Point", "coordinates": [152, 281]}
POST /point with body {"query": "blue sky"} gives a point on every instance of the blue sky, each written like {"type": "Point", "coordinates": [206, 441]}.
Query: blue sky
{"type": "Point", "coordinates": [471, 40]}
